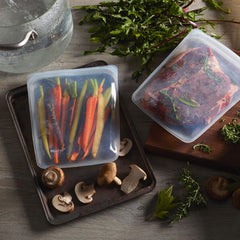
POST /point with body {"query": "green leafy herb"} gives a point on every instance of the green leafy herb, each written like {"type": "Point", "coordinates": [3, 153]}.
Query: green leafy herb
{"type": "Point", "coordinates": [143, 28]}
{"type": "Point", "coordinates": [189, 102]}
{"type": "Point", "coordinates": [168, 208]}
{"type": "Point", "coordinates": [194, 197]}
{"type": "Point", "coordinates": [231, 132]}
{"type": "Point", "coordinates": [217, 5]}
{"type": "Point", "coordinates": [202, 147]}
{"type": "Point", "coordinates": [165, 202]}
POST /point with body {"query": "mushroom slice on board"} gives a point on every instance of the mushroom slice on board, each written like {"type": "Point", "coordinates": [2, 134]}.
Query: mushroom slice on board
{"type": "Point", "coordinates": [53, 177]}
{"type": "Point", "coordinates": [125, 146]}
{"type": "Point", "coordinates": [107, 174]}
{"type": "Point", "coordinates": [63, 203]}
{"type": "Point", "coordinates": [130, 182]}
{"type": "Point", "coordinates": [84, 192]}
{"type": "Point", "coordinates": [216, 187]}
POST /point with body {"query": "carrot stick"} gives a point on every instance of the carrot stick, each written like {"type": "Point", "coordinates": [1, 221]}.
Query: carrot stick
{"type": "Point", "coordinates": [90, 111]}
{"type": "Point", "coordinates": [106, 114]}
{"type": "Point", "coordinates": [65, 103]}
{"type": "Point", "coordinates": [107, 95]}
{"type": "Point", "coordinates": [73, 91]}
{"type": "Point", "coordinates": [100, 124]}
{"type": "Point", "coordinates": [76, 118]}
{"type": "Point", "coordinates": [88, 147]}
{"type": "Point", "coordinates": [42, 120]}
{"type": "Point", "coordinates": [74, 156]}
{"type": "Point", "coordinates": [50, 107]}
{"type": "Point", "coordinates": [57, 93]}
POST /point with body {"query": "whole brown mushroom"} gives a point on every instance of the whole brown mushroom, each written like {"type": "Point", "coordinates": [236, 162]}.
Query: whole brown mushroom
{"type": "Point", "coordinates": [107, 174]}
{"type": "Point", "coordinates": [216, 187]}
{"type": "Point", "coordinates": [53, 177]}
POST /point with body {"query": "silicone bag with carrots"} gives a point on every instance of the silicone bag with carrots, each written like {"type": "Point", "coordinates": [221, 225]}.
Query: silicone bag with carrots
{"type": "Point", "coordinates": [75, 116]}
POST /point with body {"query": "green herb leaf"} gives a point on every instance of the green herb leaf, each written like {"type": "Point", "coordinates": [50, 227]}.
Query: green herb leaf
{"type": "Point", "coordinates": [231, 132]}
{"type": "Point", "coordinates": [202, 147]}
{"type": "Point", "coordinates": [165, 202]}
{"type": "Point", "coordinates": [189, 102]}
{"type": "Point", "coordinates": [217, 5]}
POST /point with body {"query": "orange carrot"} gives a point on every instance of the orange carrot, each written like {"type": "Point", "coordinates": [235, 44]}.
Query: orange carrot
{"type": "Point", "coordinates": [74, 156]}
{"type": "Point", "coordinates": [90, 112]}
{"type": "Point", "coordinates": [65, 103]}
{"type": "Point", "coordinates": [99, 126]}
{"type": "Point", "coordinates": [57, 93]}
{"type": "Point", "coordinates": [88, 147]}
{"type": "Point", "coordinates": [107, 112]}
{"type": "Point", "coordinates": [74, 126]}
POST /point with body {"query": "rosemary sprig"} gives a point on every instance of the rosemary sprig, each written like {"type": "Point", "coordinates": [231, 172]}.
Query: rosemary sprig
{"type": "Point", "coordinates": [194, 197]}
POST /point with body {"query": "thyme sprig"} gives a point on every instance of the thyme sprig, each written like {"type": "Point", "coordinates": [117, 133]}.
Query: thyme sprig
{"type": "Point", "coordinates": [194, 196]}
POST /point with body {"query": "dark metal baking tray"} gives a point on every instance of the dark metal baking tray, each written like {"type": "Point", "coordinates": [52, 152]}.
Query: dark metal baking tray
{"type": "Point", "coordinates": [105, 197]}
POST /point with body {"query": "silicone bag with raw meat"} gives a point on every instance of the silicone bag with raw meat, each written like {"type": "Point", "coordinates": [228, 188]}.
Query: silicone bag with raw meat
{"type": "Point", "coordinates": [193, 88]}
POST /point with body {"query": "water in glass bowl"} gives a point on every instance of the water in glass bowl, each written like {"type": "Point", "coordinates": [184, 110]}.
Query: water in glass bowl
{"type": "Point", "coordinates": [51, 19]}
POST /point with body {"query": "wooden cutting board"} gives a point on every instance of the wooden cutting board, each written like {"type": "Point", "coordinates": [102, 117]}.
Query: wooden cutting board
{"type": "Point", "coordinates": [223, 155]}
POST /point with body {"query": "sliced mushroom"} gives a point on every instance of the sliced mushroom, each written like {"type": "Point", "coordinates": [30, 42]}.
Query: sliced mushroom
{"type": "Point", "coordinates": [131, 181]}
{"type": "Point", "coordinates": [216, 187]}
{"type": "Point", "coordinates": [236, 198]}
{"type": "Point", "coordinates": [107, 174]}
{"type": "Point", "coordinates": [63, 203]}
{"type": "Point", "coordinates": [84, 192]}
{"type": "Point", "coordinates": [125, 146]}
{"type": "Point", "coordinates": [53, 177]}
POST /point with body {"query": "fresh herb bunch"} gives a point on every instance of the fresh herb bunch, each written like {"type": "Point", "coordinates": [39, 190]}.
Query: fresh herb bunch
{"type": "Point", "coordinates": [194, 196]}
{"type": "Point", "coordinates": [202, 147]}
{"type": "Point", "coordinates": [231, 132]}
{"type": "Point", "coordinates": [143, 28]}
{"type": "Point", "coordinates": [168, 208]}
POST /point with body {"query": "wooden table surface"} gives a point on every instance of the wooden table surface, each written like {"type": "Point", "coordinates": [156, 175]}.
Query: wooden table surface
{"type": "Point", "coordinates": [21, 213]}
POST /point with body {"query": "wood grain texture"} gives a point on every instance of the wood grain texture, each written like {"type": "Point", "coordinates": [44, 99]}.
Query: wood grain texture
{"type": "Point", "coordinates": [21, 213]}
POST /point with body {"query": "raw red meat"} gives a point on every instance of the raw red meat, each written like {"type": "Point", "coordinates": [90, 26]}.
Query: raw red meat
{"type": "Point", "coordinates": [190, 89]}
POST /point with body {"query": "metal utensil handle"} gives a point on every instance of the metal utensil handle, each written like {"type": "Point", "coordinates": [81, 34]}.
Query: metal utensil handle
{"type": "Point", "coordinates": [31, 35]}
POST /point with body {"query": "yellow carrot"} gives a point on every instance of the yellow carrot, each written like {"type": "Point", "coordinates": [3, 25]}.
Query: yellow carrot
{"type": "Point", "coordinates": [100, 124]}
{"type": "Point", "coordinates": [107, 95]}
{"type": "Point", "coordinates": [76, 118]}
{"type": "Point", "coordinates": [42, 120]}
